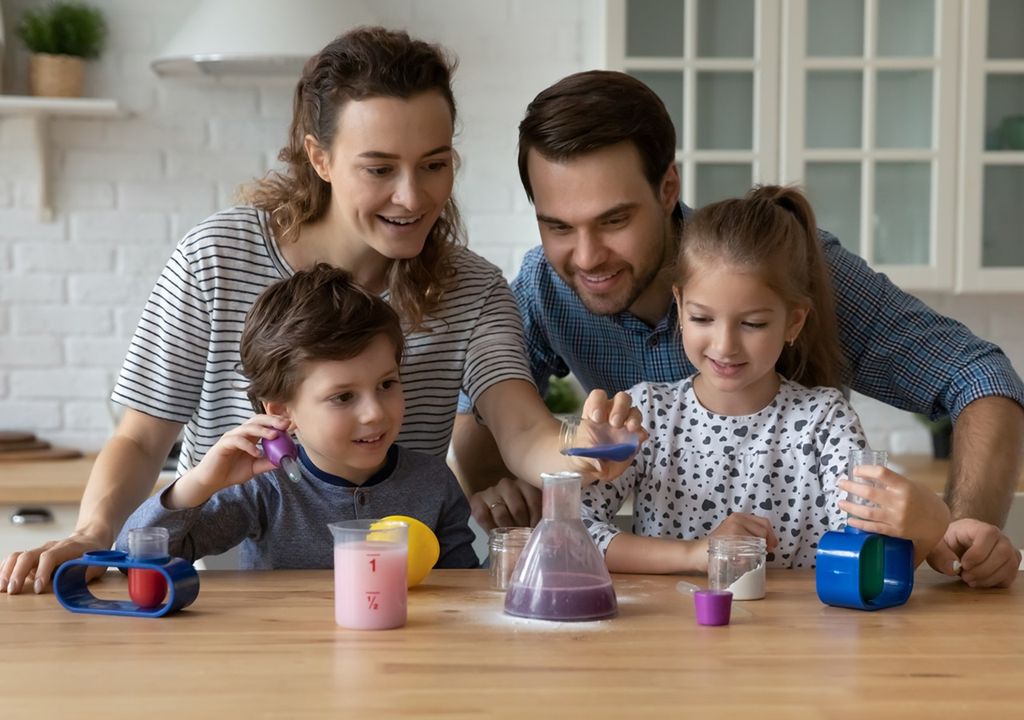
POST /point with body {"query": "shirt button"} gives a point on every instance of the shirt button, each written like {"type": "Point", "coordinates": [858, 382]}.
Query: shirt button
{"type": "Point", "coordinates": [362, 498]}
{"type": "Point", "coordinates": [652, 342]}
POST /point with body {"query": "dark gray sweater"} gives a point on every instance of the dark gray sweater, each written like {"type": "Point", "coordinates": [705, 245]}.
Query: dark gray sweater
{"type": "Point", "coordinates": [283, 524]}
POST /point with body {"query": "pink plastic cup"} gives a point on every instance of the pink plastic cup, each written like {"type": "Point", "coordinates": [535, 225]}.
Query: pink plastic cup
{"type": "Point", "coordinates": [370, 568]}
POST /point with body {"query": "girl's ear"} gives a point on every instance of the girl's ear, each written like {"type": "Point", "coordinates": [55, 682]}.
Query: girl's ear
{"type": "Point", "coordinates": [797, 318]}
{"type": "Point", "coordinates": [670, 188]}
{"type": "Point", "coordinates": [318, 157]}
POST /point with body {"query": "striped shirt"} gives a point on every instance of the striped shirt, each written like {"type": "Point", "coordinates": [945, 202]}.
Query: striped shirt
{"type": "Point", "coordinates": [900, 351]}
{"type": "Point", "coordinates": [182, 361]}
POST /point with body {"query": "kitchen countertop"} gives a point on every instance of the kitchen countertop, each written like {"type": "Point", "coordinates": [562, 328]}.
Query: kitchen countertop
{"type": "Point", "coordinates": [264, 644]}
{"type": "Point", "coordinates": [43, 482]}
{"type": "Point", "coordinates": [48, 482]}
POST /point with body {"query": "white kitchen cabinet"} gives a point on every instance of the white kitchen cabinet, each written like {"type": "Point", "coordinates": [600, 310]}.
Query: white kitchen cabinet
{"type": "Point", "coordinates": [903, 119]}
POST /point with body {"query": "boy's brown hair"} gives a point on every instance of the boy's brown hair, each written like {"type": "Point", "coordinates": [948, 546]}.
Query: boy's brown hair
{"type": "Point", "coordinates": [317, 314]}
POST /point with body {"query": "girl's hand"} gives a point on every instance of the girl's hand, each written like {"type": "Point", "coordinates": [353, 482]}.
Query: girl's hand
{"type": "Point", "coordinates": [905, 508]}
{"type": "Point", "coordinates": [618, 412]}
{"type": "Point", "coordinates": [737, 524]}
{"type": "Point", "coordinates": [235, 459]}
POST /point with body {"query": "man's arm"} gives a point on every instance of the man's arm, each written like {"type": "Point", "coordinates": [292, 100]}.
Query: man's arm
{"type": "Point", "coordinates": [988, 456]}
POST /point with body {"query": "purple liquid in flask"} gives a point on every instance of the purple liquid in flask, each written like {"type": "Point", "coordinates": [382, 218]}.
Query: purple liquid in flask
{"type": "Point", "coordinates": [561, 574]}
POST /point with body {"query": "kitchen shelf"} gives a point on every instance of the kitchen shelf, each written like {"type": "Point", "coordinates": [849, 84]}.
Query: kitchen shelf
{"type": "Point", "coordinates": [39, 110]}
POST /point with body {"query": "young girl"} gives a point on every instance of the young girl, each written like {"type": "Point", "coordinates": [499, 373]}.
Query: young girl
{"type": "Point", "coordinates": [366, 187]}
{"type": "Point", "coordinates": [756, 442]}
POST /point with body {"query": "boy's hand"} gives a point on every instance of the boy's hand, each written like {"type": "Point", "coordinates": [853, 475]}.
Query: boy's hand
{"type": "Point", "coordinates": [617, 412]}
{"type": "Point", "coordinates": [987, 557]}
{"type": "Point", "coordinates": [235, 459]}
{"type": "Point", "coordinates": [905, 509]}
{"type": "Point", "coordinates": [738, 524]}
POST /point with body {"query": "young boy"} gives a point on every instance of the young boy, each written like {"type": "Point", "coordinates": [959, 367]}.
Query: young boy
{"type": "Point", "coordinates": [322, 358]}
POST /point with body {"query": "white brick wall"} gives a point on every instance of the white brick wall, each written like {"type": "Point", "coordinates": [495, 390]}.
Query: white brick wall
{"type": "Point", "coordinates": [126, 189]}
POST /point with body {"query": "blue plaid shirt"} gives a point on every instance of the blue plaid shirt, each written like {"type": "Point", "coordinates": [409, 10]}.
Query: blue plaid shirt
{"type": "Point", "coordinates": [900, 351]}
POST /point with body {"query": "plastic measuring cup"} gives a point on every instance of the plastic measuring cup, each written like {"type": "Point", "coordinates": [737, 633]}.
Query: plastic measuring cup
{"type": "Point", "coordinates": [585, 438]}
{"type": "Point", "coordinates": [370, 571]}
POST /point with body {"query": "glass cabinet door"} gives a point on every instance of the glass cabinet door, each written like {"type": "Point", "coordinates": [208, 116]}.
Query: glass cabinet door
{"type": "Point", "coordinates": [992, 158]}
{"type": "Point", "coordinates": [869, 128]}
{"type": "Point", "coordinates": [715, 65]}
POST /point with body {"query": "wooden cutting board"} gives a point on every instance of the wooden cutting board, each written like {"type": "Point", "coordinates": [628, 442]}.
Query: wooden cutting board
{"type": "Point", "coordinates": [7, 447]}
{"type": "Point", "coordinates": [48, 453]}
{"type": "Point", "coordinates": [15, 436]}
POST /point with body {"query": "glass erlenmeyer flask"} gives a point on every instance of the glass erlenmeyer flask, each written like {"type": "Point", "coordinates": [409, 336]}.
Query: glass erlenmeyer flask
{"type": "Point", "coordinates": [561, 574]}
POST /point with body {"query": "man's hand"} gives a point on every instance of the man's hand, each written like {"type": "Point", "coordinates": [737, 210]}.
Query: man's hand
{"type": "Point", "coordinates": [986, 556]}
{"type": "Point", "coordinates": [509, 503]}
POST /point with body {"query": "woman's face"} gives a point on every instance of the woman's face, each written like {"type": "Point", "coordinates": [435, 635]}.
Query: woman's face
{"type": "Point", "coordinates": [391, 171]}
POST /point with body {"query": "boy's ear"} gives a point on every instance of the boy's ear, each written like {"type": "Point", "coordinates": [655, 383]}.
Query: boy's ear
{"type": "Point", "coordinates": [318, 157]}
{"type": "Point", "coordinates": [276, 407]}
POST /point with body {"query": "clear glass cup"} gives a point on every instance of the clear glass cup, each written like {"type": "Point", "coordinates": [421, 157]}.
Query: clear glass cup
{"type": "Point", "coordinates": [505, 545]}
{"type": "Point", "coordinates": [370, 573]}
{"type": "Point", "coordinates": [859, 458]}
{"type": "Point", "coordinates": [737, 563]}
{"type": "Point", "coordinates": [585, 438]}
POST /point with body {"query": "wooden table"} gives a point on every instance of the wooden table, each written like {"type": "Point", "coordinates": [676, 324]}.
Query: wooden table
{"type": "Point", "coordinates": [264, 645]}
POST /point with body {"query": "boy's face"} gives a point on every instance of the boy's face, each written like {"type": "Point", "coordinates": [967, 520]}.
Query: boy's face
{"type": "Point", "coordinates": [605, 231]}
{"type": "Point", "coordinates": [347, 413]}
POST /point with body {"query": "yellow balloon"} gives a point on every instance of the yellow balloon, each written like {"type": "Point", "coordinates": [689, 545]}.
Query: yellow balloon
{"type": "Point", "coordinates": [424, 549]}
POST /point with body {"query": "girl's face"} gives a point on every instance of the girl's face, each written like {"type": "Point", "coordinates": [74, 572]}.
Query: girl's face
{"type": "Point", "coordinates": [347, 413]}
{"type": "Point", "coordinates": [734, 328]}
{"type": "Point", "coordinates": [390, 169]}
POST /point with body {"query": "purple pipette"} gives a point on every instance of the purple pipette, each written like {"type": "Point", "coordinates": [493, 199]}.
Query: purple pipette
{"type": "Point", "coordinates": [282, 452]}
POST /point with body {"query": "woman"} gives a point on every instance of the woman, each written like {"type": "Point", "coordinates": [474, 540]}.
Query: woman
{"type": "Point", "coordinates": [370, 169]}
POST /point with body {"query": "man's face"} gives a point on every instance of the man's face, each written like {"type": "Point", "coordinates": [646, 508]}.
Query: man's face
{"type": "Point", "coordinates": [605, 231]}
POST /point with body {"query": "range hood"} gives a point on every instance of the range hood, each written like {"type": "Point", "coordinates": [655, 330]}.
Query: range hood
{"type": "Point", "coordinates": [265, 38]}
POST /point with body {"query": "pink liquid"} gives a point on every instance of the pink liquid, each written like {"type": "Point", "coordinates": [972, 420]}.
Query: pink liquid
{"type": "Point", "coordinates": [568, 596]}
{"type": "Point", "coordinates": [370, 585]}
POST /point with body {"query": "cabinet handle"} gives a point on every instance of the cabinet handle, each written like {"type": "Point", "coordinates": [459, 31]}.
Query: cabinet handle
{"type": "Point", "coordinates": [31, 516]}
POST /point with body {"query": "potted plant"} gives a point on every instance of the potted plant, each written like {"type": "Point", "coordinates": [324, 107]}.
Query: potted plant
{"type": "Point", "coordinates": [61, 37]}
{"type": "Point", "coordinates": [941, 430]}
{"type": "Point", "coordinates": [561, 397]}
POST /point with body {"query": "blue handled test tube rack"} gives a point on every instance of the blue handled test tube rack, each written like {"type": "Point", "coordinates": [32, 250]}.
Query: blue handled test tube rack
{"type": "Point", "coordinates": [72, 591]}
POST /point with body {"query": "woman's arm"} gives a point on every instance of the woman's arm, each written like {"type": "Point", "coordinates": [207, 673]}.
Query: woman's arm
{"type": "Point", "coordinates": [528, 435]}
{"type": "Point", "coordinates": [121, 479]}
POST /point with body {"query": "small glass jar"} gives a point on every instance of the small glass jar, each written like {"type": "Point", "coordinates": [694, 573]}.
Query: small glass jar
{"type": "Point", "coordinates": [737, 564]}
{"type": "Point", "coordinates": [504, 546]}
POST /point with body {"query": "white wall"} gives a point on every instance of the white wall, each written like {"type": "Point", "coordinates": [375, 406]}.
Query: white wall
{"type": "Point", "coordinates": [127, 189]}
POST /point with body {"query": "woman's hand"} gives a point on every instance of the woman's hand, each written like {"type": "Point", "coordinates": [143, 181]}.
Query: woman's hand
{"type": "Point", "coordinates": [618, 412]}
{"type": "Point", "coordinates": [33, 568]}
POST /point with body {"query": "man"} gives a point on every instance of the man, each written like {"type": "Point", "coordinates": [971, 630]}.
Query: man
{"type": "Point", "coordinates": [596, 157]}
